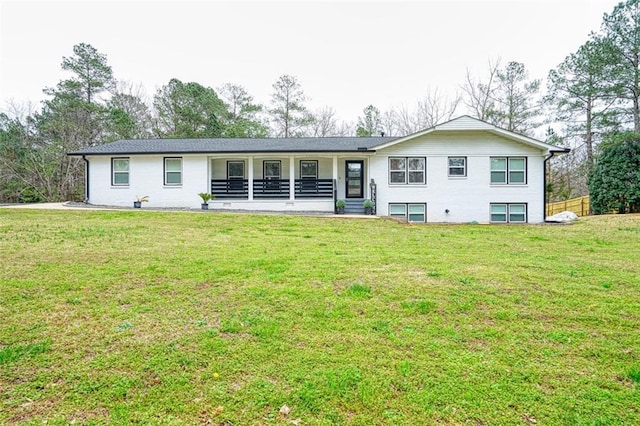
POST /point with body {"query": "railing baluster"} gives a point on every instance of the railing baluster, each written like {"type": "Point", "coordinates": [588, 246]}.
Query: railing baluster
{"type": "Point", "coordinates": [273, 188]}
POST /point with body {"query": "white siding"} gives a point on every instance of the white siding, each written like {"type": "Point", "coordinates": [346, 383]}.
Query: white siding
{"type": "Point", "coordinates": [460, 143]}
{"type": "Point", "coordinates": [274, 205]}
{"type": "Point", "coordinates": [146, 178]}
{"type": "Point", "coordinates": [466, 198]}
{"type": "Point", "coordinates": [464, 123]}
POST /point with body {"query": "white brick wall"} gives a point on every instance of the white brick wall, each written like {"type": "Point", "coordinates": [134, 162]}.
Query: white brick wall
{"type": "Point", "coordinates": [467, 199]}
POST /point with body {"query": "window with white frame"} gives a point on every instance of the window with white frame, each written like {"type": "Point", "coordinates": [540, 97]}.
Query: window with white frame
{"type": "Point", "coordinates": [517, 170]}
{"type": "Point", "coordinates": [397, 170]}
{"type": "Point", "coordinates": [309, 169]}
{"type": "Point", "coordinates": [412, 212]}
{"type": "Point", "coordinates": [398, 210]}
{"type": "Point", "coordinates": [235, 176]}
{"type": "Point", "coordinates": [120, 171]}
{"type": "Point", "coordinates": [235, 170]}
{"type": "Point", "coordinates": [271, 169]}
{"type": "Point", "coordinates": [508, 213]}
{"type": "Point", "coordinates": [457, 166]}
{"type": "Point", "coordinates": [173, 171]}
{"type": "Point", "coordinates": [407, 170]}
{"type": "Point", "coordinates": [416, 212]}
{"type": "Point", "coordinates": [509, 170]}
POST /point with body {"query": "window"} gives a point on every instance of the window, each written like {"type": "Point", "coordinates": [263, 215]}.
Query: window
{"type": "Point", "coordinates": [404, 170]}
{"type": "Point", "coordinates": [309, 176]}
{"type": "Point", "coordinates": [416, 170]}
{"type": "Point", "coordinates": [517, 213]}
{"type": "Point", "coordinates": [397, 170]}
{"type": "Point", "coordinates": [509, 213]}
{"type": "Point", "coordinates": [235, 175]}
{"type": "Point", "coordinates": [271, 169]}
{"type": "Point", "coordinates": [271, 174]}
{"type": "Point", "coordinates": [499, 213]}
{"type": "Point", "coordinates": [498, 170]}
{"type": "Point", "coordinates": [235, 169]}
{"type": "Point", "coordinates": [398, 210]}
{"type": "Point", "coordinates": [509, 170]}
{"type": "Point", "coordinates": [416, 212]}
{"type": "Point", "coordinates": [517, 170]}
{"type": "Point", "coordinates": [120, 171]}
{"type": "Point", "coordinates": [173, 171]}
{"type": "Point", "coordinates": [309, 169]}
{"type": "Point", "coordinates": [457, 166]}
{"type": "Point", "coordinates": [410, 212]}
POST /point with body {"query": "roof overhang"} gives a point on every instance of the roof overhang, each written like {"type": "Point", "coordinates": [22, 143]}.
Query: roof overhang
{"type": "Point", "coordinates": [477, 126]}
{"type": "Point", "coordinates": [236, 152]}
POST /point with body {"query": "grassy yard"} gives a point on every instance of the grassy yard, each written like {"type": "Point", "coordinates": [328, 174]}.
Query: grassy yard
{"type": "Point", "coordinates": [208, 318]}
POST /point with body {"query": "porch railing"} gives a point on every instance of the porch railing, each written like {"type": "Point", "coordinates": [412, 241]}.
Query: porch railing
{"type": "Point", "coordinates": [273, 188]}
{"type": "Point", "coordinates": [314, 188]}
{"type": "Point", "coordinates": [230, 188]}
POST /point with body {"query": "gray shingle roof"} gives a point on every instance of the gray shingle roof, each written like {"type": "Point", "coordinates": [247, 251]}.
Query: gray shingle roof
{"type": "Point", "coordinates": [235, 145]}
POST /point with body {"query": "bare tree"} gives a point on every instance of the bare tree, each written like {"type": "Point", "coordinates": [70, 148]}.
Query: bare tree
{"type": "Point", "coordinates": [507, 98]}
{"type": "Point", "coordinates": [389, 123]}
{"type": "Point", "coordinates": [405, 121]}
{"type": "Point", "coordinates": [324, 122]}
{"type": "Point", "coordinates": [480, 94]}
{"type": "Point", "coordinates": [433, 108]}
{"type": "Point", "coordinates": [345, 128]}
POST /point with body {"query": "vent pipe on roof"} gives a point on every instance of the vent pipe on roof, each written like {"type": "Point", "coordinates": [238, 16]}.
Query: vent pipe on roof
{"type": "Point", "coordinates": [382, 134]}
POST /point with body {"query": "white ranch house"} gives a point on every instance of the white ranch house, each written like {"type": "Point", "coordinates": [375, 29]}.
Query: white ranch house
{"type": "Point", "coordinates": [463, 170]}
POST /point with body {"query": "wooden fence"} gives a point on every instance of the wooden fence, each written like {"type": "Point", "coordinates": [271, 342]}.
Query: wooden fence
{"type": "Point", "coordinates": [579, 206]}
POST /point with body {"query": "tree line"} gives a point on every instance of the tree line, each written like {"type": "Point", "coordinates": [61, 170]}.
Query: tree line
{"type": "Point", "coordinates": [594, 94]}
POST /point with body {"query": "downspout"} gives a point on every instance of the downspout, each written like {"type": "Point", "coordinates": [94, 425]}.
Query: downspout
{"type": "Point", "coordinates": [86, 179]}
{"type": "Point", "coordinates": [544, 185]}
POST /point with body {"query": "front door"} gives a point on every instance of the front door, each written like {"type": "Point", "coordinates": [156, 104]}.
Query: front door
{"type": "Point", "coordinates": [354, 179]}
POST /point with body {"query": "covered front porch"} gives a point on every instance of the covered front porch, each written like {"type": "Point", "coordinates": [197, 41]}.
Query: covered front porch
{"type": "Point", "coordinates": [273, 188]}
{"type": "Point", "coordinates": [294, 182]}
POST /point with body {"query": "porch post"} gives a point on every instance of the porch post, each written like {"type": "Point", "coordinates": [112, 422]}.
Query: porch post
{"type": "Point", "coordinates": [250, 177]}
{"type": "Point", "coordinates": [292, 177]}
{"type": "Point", "coordinates": [335, 170]}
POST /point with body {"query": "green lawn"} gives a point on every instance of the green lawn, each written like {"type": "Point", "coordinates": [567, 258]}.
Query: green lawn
{"type": "Point", "coordinates": [206, 318]}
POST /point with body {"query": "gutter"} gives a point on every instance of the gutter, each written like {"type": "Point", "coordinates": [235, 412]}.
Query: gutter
{"type": "Point", "coordinates": [86, 177]}
{"type": "Point", "coordinates": [544, 179]}
{"type": "Point", "coordinates": [240, 152]}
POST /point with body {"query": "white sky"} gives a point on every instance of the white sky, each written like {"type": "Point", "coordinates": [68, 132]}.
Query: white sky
{"type": "Point", "coordinates": [346, 54]}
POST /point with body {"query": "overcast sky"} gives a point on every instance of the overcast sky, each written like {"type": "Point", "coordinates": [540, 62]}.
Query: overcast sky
{"type": "Point", "coordinates": [346, 54]}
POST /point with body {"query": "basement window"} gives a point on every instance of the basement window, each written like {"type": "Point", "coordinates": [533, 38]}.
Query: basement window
{"type": "Point", "coordinates": [508, 213]}
{"type": "Point", "coordinates": [411, 212]}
